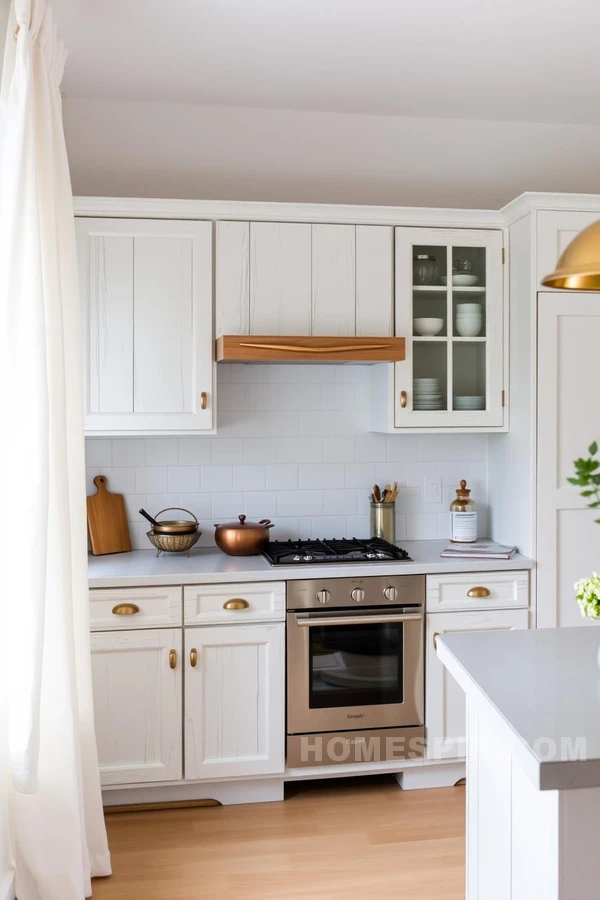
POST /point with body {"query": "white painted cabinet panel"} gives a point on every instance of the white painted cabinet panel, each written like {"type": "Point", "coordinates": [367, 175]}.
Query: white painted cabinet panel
{"type": "Point", "coordinates": [137, 704]}
{"type": "Point", "coordinates": [333, 280]}
{"type": "Point", "coordinates": [232, 278]}
{"type": "Point", "coordinates": [445, 707]}
{"type": "Point", "coordinates": [303, 279]}
{"type": "Point", "coordinates": [568, 422]}
{"type": "Point", "coordinates": [146, 295]}
{"type": "Point", "coordinates": [280, 278]}
{"type": "Point", "coordinates": [374, 281]}
{"type": "Point", "coordinates": [234, 700]}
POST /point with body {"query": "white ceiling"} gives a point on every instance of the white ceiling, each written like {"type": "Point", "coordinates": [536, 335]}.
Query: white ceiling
{"type": "Point", "coordinates": [521, 60]}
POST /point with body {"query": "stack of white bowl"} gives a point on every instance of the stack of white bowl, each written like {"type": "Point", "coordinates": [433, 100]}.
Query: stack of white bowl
{"type": "Point", "coordinates": [469, 319]}
{"type": "Point", "coordinates": [466, 402]}
{"type": "Point", "coordinates": [428, 394]}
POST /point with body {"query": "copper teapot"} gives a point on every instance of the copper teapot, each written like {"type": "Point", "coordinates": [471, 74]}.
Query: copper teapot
{"type": "Point", "coordinates": [242, 538]}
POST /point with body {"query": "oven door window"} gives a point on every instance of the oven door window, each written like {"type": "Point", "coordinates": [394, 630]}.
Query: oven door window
{"type": "Point", "coordinates": [356, 665]}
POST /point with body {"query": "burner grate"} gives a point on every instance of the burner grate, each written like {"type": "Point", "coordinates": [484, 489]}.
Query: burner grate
{"type": "Point", "coordinates": [334, 550]}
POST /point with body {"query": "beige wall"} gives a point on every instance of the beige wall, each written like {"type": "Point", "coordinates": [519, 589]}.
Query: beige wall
{"type": "Point", "coordinates": [177, 150]}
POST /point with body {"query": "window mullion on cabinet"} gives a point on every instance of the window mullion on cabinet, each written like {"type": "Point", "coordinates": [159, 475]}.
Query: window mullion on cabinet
{"type": "Point", "coordinates": [449, 331]}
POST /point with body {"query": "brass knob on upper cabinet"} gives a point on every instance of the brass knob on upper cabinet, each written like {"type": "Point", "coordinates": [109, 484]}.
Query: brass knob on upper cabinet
{"type": "Point", "coordinates": [193, 657]}
{"type": "Point", "coordinates": [203, 400]}
{"type": "Point", "coordinates": [477, 592]}
{"type": "Point", "coordinates": [172, 658]}
{"type": "Point", "coordinates": [436, 635]}
{"type": "Point", "coordinates": [403, 399]}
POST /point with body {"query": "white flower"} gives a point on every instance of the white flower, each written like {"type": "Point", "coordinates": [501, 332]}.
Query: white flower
{"type": "Point", "coordinates": [587, 594]}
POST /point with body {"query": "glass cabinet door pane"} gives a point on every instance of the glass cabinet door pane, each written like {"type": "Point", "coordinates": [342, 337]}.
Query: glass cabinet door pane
{"type": "Point", "coordinates": [468, 375]}
{"type": "Point", "coordinates": [430, 266]}
{"type": "Point", "coordinates": [430, 375]}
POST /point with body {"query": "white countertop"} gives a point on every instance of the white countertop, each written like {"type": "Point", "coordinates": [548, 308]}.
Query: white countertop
{"type": "Point", "coordinates": [143, 567]}
{"type": "Point", "coordinates": [541, 689]}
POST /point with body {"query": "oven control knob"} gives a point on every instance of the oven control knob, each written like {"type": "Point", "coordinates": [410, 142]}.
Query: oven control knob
{"type": "Point", "coordinates": [391, 594]}
{"type": "Point", "coordinates": [358, 594]}
{"type": "Point", "coordinates": [323, 596]}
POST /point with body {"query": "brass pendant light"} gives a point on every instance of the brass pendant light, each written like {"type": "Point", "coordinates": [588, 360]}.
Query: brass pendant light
{"type": "Point", "coordinates": [578, 268]}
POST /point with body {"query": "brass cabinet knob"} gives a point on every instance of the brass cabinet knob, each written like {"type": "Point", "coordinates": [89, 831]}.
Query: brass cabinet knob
{"type": "Point", "coordinates": [236, 603]}
{"type": "Point", "coordinates": [193, 657]}
{"type": "Point", "coordinates": [436, 635]}
{"type": "Point", "coordinates": [172, 658]}
{"type": "Point", "coordinates": [125, 609]}
{"type": "Point", "coordinates": [477, 592]}
{"type": "Point", "coordinates": [203, 400]}
{"type": "Point", "coordinates": [403, 399]}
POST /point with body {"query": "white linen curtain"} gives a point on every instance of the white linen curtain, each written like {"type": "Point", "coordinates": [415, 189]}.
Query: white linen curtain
{"type": "Point", "coordinates": [50, 804]}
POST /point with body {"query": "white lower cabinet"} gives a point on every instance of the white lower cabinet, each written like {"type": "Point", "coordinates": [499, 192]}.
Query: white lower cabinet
{"type": "Point", "coordinates": [445, 706]}
{"type": "Point", "coordinates": [234, 700]}
{"type": "Point", "coordinates": [137, 699]}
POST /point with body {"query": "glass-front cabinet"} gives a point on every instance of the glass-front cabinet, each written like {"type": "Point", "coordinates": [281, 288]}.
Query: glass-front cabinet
{"type": "Point", "coordinates": [449, 308]}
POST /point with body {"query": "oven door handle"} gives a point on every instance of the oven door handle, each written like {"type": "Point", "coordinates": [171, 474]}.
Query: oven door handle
{"type": "Point", "coordinates": [309, 622]}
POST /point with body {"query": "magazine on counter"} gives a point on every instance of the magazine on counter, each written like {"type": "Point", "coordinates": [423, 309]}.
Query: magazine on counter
{"type": "Point", "coordinates": [479, 550]}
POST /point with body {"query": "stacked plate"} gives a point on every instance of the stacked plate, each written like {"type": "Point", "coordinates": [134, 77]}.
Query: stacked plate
{"type": "Point", "coordinates": [469, 319]}
{"type": "Point", "coordinates": [427, 394]}
{"type": "Point", "coordinates": [466, 402]}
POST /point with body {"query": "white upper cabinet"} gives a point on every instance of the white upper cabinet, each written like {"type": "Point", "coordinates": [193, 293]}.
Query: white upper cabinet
{"type": "Point", "coordinates": [146, 294]}
{"type": "Point", "coordinates": [303, 279]}
{"type": "Point", "coordinates": [449, 307]}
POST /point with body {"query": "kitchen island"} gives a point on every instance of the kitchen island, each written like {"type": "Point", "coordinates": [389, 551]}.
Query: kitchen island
{"type": "Point", "coordinates": [533, 761]}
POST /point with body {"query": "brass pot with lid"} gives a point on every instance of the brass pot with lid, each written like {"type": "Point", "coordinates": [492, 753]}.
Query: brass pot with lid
{"type": "Point", "coordinates": [242, 538]}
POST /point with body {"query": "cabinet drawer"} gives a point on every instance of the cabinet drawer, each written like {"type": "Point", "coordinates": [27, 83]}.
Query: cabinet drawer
{"type": "Point", "coordinates": [477, 590]}
{"type": "Point", "coordinates": [126, 608]}
{"type": "Point", "coordinates": [206, 604]}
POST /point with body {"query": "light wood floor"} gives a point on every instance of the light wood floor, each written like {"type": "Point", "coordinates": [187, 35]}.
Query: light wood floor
{"type": "Point", "coordinates": [356, 838]}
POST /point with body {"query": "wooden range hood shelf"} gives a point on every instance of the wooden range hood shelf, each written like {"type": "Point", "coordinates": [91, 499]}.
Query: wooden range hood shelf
{"type": "Point", "coordinates": [275, 348]}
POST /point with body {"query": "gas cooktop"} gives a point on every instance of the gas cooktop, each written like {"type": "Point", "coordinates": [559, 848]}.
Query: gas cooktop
{"type": "Point", "coordinates": [346, 550]}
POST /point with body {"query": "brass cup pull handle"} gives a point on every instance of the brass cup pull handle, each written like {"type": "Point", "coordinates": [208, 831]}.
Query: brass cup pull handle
{"type": "Point", "coordinates": [125, 609]}
{"type": "Point", "coordinates": [203, 400]}
{"type": "Point", "coordinates": [172, 658]}
{"type": "Point", "coordinates": [403, 399]}
{"type": "Point", "coordinates": [236, 603]}
{"type": "Point", "coordinates": [193, 657]}
{"type": "Point", "coordinates": [436, 635]}
{"type": "Point", "coordinates": [478, 592]}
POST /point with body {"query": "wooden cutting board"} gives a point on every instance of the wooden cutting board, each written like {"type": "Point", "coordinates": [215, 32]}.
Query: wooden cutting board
{"type": "Point", "coordinates": [107, 520]}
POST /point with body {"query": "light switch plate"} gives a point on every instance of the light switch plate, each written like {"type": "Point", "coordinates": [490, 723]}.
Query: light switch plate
{"type": "Point", "coordinates": [433, 489]}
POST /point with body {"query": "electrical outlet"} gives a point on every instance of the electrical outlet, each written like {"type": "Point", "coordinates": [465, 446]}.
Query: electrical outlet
{"type": "Point", "coordinates": [433, 489]}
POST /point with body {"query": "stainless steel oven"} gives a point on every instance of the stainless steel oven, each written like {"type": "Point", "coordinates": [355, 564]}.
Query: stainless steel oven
{"type": "Point", "coordinates": [355, 675]}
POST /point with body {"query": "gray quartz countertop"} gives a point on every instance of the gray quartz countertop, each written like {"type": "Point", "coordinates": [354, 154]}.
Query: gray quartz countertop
{"type": "Point", "coordinates": [143, 567]}
{"type": "Point", "coordinates": [541, 692]}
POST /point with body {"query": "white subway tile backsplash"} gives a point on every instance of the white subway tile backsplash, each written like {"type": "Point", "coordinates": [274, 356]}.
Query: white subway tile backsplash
{"type": "Point", "coordinates": [184, 478]}
{"type": "Point", "coordinates": [303, 503]}
{"type": "Point", "coordinates": [226, 451]}
{"type": "Point", "coordinates": [162, 451]}
{"type": "Point", "coordinates": [340, 502]}
{"type": "Point", "coordinates": [150, 480]}
{"type": "Point", "coordinates": [293, 445]}
{"type": "Point", "coordinates": [339, 449]}
{"type": "Point", "coordinates": [371, 448]}
{"type": "Point", "coordinates": [98, 452]}
{"type": "Point", "coordinates": [249, 478]}
{"type": "Point", "coordinates": [282, 477]}
{"type": "Point", "coordinates": [320, 475]}
{"type": "Point", "coordinates": [161, 502]}
{"type": "Point", "coordinates": [259, 450]}
{"type": "Point", "coordinates": [216, 479]}
{"type": "Point", "coordinates": [128, 452]}
{"type": "Point", "coordinates": [299, 449]}
{"type": "Point", "coordinates": [195, 451]}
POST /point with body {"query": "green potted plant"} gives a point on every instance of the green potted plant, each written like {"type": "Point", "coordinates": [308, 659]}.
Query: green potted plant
{"type": "Point", "coordinates": [587, 476]}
